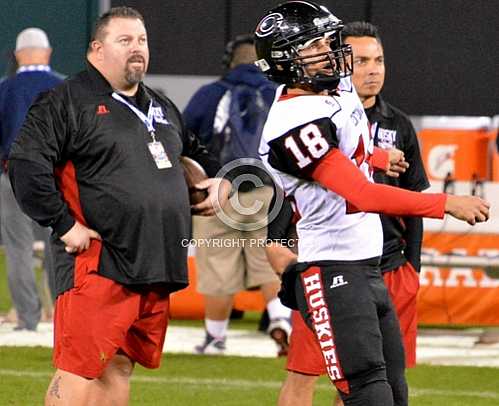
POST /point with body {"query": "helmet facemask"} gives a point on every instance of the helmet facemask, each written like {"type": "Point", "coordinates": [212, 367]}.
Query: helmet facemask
{"type": "Point", "coordinates": [338, 61]}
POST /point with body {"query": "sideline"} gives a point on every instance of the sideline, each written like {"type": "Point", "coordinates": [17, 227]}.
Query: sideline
{"type": "Point", "coordinates": [444, 347]}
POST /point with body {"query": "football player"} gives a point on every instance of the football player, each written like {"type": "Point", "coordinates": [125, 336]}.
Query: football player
{"type": "Point", "coordinates": [317, 144]}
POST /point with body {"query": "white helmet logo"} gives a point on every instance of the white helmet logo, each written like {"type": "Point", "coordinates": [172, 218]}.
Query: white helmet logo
{"type": "Point", "coordinates": [268, 24]}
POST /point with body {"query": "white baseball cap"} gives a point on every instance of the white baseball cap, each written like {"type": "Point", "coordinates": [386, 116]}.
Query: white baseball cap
{"type": "Point", "coordinates": [32, 38]}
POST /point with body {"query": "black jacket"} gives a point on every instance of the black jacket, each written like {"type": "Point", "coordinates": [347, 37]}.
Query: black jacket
{"type": "Point", "coordinates": [401, 236]}
{"type": "Point", "coordinates": [83, 155]}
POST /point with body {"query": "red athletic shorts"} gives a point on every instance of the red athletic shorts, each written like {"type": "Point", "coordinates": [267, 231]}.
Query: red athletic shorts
{"type": "Point", "coordinates": [305, 356]}
{"type": "Point", "coordinates": [304, 353]}
{"type": "Point", "coordinates": [99, 316]}
{"type": "Point", "coordinates": [403, 284]}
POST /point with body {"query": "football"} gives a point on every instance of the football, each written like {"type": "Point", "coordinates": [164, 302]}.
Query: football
{"type": "Point", "coordinates": [193, 174]}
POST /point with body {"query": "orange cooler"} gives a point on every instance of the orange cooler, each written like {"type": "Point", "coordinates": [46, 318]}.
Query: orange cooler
{"type": "Point", "coordinates": [456, 145]}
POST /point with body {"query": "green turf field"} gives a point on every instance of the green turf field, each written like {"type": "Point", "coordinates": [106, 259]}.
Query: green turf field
{"type": "Point", "coordinates": [206, 380]}
{"type": "Point", "coordinates": [187, 380]}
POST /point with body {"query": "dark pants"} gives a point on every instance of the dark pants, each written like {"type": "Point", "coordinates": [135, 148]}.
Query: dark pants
{"type": "Point", "coordinates": [348, 307]}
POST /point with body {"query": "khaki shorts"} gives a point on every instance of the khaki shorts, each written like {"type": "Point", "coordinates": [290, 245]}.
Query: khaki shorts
{"type": "Point", "coordinates": [229, 260]}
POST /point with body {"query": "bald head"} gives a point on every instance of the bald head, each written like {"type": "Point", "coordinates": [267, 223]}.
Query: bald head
{"type": "Point", "coordinates": [33, 56]}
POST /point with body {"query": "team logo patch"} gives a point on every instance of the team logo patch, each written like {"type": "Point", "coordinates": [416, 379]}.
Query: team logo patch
{"type": "Point", "coordinates": [338, 281]}
{"type": "Point", "coordinates": [268, 24]}
{"type": "Point", "coordinates": [386, 138]}
{"type": "Point", "coordinates": [158, 115]}
{"type": "Point", "coordinates": [101, 110]}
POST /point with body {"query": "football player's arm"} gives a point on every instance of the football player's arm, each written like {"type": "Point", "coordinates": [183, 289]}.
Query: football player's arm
{"type": "Point", "coordinates": [336, 172]}
{"type": "Point", "coordinates": [339, 174]}
{"type": "Point", "coordinates": [279, 256]}
{"type": "Point", "coordinates": [277, 249]}
{"type": "Point", "coordinates": [310, 152]}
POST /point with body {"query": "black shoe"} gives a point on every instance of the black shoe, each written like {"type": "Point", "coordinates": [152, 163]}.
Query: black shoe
{"type": "Point", "coordinates": [23, 328]}
{"type": "Point", "coordinates": [264, 322]}
{"type": "Point", "coordinates": [236, 314]}
{"type": "Point", "coordinates": [211, 346]}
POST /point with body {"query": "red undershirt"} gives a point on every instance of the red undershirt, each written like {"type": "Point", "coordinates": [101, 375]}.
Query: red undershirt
{"type": "Point", "coordinates": [337, 173]}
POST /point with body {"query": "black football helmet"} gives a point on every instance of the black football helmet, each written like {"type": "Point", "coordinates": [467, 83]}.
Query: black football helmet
{"type": "Point", "coordinates": [291, 26]}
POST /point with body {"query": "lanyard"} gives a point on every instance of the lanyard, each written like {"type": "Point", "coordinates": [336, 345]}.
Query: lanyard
{"type": "Point", "coordinates": [373, 127]}
{"type": "Point", "coordinates": [147, 120]}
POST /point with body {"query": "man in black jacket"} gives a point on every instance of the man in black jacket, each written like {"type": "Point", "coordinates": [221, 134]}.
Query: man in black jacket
{"type": "Point", "coordinates": [98, 161]}
{"type": "Point", "coordinates": [391, 128]}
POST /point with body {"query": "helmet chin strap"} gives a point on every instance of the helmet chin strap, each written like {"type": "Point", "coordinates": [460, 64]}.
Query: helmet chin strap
{"type": "Point", "coordinates": [319, 83]}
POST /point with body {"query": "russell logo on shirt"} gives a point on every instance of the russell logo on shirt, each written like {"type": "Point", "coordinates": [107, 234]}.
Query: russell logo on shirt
{"type": "Point", "coordinates": [338, 281]}
{"type": "Point", "coordinates": [101, 110]}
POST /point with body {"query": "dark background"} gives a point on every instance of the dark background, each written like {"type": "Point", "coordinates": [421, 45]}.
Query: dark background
{"type": "Point", "coordinates": [68, 24]}
{"type": "Point", "coordinates": [442, 55]}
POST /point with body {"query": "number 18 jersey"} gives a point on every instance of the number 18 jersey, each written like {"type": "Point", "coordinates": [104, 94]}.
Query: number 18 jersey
{"type": "Point", "coordinates": [299, 132]}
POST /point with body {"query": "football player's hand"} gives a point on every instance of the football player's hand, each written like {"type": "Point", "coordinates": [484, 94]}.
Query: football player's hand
{"type": "Point", "coordinates": [77, 239]}
{"type": "Point", "coordinates": [218, 194]}
{"type": "Point", "coordinates": [397, 163]}
{"type": "Point", "coordinates": [471, 209]}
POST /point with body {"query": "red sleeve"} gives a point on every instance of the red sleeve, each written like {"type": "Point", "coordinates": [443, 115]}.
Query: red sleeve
{"type": "Point", "coordinates": [337, 173]}
{"type": "Point", "coordinates": [379, 159]}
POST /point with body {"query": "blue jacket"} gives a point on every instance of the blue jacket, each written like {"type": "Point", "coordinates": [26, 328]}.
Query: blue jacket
{"type": "Point", "coordinates": [201, 109]}
{"type": "Point", "coordinates": [17, 93]}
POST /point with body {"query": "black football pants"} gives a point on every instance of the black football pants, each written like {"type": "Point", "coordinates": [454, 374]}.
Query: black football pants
{"type": "Point", "coordinates": [348, 307]}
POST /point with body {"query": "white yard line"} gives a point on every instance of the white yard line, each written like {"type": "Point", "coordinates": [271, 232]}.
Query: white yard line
{"type": "Point", "coordinates": [218, 384]}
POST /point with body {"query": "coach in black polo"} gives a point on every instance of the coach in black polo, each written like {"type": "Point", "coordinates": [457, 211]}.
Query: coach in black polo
{"type": "Point", "coordinates": [98, 161]}
{"type": "Point", "coordinates": [391, 128]}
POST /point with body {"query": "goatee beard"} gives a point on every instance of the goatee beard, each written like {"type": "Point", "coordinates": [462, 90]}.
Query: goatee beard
{"type": "Point", "coordinates": [134, 76]}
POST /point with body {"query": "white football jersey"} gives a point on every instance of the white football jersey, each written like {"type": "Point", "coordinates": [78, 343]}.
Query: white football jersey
{"type": "Point", "coordinates": [300, 130]}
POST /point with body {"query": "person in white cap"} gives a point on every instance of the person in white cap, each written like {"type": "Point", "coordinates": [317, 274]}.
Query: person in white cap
{"type": "Point", "coordinates": [33, 77]}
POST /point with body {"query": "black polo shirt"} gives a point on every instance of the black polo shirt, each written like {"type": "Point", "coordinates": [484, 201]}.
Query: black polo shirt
{"type": "Point", "coordinates": [402, 237]}
{"type": "Point", "coordinates": [84, 155]}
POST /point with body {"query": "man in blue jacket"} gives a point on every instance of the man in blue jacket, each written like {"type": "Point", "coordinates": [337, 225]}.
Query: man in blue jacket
{"type": "Point", "coordinates": [32, 77]}
{"type": "Point", "coordinates": [228, 115]}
